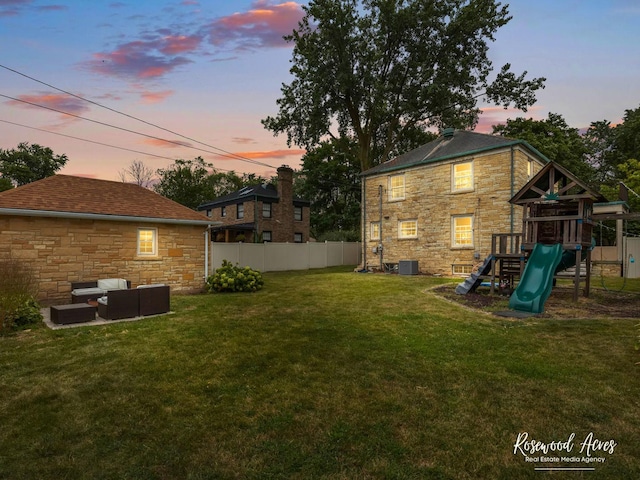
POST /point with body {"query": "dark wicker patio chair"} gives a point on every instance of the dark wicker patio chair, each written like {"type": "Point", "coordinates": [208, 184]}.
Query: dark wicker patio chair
{"type": "Point", "coordinates": [154, 299]}
{"type": "Point", "coordinates": [119, 304]}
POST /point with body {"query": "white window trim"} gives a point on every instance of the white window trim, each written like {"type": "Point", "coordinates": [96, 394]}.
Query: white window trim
{"type": "Point", "coordinates": [462, 269]}
{"type": "Point", "coordinates": [454, 244]}
{"type": "Point", "coordinates": [154, 240]}
{"type": "Point", "coordinates": [453, 177]}
{"type": "Point", "coordinates": [404, 237]}
{"type": "Point", "coordinates": [372, 235]}
{"type": "Point", "coordinates": [391, 190]}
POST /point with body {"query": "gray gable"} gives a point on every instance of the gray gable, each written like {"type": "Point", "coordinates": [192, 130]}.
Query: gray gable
{"type": "Point", "coordinates": [459, 144]}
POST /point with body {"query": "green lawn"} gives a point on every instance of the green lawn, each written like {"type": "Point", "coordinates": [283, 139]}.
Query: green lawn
{"type": "Point", "coordinates": [323, 374]}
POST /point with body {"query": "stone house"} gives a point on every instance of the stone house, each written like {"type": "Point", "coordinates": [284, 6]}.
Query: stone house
{"type": "Point", "coordinates": [81, 229]}
{"type": "Point", "coordinates": [261, 213]}
{"type": "Point", "coordinates": [440, 203]}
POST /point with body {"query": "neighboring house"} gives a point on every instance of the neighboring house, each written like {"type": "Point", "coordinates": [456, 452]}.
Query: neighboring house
{"type": "Point", "coordinates": [80, 229]}
{"type": "Point", "coordinates": [261, 213]}
{"type": "Point", "coordinates": [440, 203]}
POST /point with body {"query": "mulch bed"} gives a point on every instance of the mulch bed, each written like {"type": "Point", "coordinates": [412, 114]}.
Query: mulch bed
{"type": "Point", "coordinates": [600, 304]}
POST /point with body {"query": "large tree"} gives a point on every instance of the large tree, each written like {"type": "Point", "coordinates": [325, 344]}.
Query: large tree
{"type": "Point", "coordinates": [330, 180]}
{"type": "Point", "coordinates": [381, 72]}
{"type": "Point", "coordinates": [186, 182]}
{"type": "Point", "coordinates": [194, 182]}
{"type": "Point", "coordinates": [556, 140]}
{"type": "Point", "coordinates": [28, 163]}
{"type": "Point", "coordinates": [137, 172]}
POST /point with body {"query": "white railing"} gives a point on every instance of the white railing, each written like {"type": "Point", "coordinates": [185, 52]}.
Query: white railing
{"type": "Point", "coordinates": [273, 257]}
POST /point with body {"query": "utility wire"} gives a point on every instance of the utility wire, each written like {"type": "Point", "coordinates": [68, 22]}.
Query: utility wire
{"type": "Point", "coordinates": [228, 154]}
{"type": "Point", "coordinates": [255, 162]}
{"type": "Point", "coordinates": [93, 141]}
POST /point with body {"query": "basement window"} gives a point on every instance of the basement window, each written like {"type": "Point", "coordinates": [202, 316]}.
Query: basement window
{"type": "Point", "coordinates": [462, 269]}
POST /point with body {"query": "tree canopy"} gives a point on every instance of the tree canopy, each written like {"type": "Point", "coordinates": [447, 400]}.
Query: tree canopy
{"type": "Point", "coordinates": [382, 72]}
{"type": "Point", "coordinates": [28, 163]}
{"type": "Point", "coordinates": [554, 139]}
{"type": "Point", "coordinates": [194, 182]}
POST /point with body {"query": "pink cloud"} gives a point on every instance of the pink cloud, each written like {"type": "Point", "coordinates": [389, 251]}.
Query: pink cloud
{"type": "Point", "coordinates": [266, 154]}
{"type": "Point", "coordinates": [498, 116]}
{"type": "Point", "coordinates": [155, 97]}
{"type": "Point", "coordinates": [155, 142]}
{"type": "Point", "coordinates": [136, 60]}
{"type": "Point", "coordinates": [262, 26]}
{"type": "Point", "coordinates": [55, 101]}
{"type": "Point", "coordinates": [175, 44]}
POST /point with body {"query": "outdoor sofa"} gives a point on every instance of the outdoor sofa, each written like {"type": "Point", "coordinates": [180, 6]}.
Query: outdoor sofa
{"type": "Point", "coordinates": [82, 292]}
{"type": "Point", "coordinates": [136, 302]}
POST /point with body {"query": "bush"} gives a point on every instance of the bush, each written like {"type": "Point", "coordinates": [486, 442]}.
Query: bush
{"type": "Point", "coordinates": [230, 278]}
{"type": "Point", "coordinates": [18, 289]}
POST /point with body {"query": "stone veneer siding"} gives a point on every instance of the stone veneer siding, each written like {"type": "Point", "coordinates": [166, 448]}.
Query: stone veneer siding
{"type": "Point", "coordinates": [430, 201]}
{"type": "Point", "coordinates": [62, 251]}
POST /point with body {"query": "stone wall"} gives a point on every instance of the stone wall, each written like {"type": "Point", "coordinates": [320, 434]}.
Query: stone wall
{"type": "Point", "coordinates": [429, 200]}
{"type": "Point", "coordinates": [62, 251]}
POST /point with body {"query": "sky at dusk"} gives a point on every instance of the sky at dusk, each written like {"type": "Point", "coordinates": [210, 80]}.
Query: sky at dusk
{"type": "Point", "coordinates": [207, 72]}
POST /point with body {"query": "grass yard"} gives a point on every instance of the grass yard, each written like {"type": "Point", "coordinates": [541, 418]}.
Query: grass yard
{"type": "Point", "coordinates": [322, 374]}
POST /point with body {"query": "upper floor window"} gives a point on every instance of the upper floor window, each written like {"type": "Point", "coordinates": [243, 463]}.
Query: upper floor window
{"type": "Point", "coordinates": [223, 211]}
{"type": "Point", "coordinates": [297, 237]}
{"type": "Point", "coordinates": [396, 187]}
{"type": "Point", "coordinates": [297, 213]}
{"type": "Point", "coordinates": [209, 213]}
{"type": "Point", "coordinates": [462, 176]}
{"type": "Point", "coordinates": [408, 229]}
{"type": "Point", "coordinates": [375, 231]}
{"type": "Point", "coordinates": [147, 242]}
{"type": "Point", "coordinates": [462, 231]}
{"type": "Point", "coordinates": [240, 212]}
{"type": "Point", "coordinates": [266, 210]}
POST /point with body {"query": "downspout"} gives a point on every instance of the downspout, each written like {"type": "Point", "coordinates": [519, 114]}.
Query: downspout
{"type": "Point", "coordinates": [206, 253]}
{"type": "Point", "coordinates": [363, 203]}
{"type": "Point", "coordinates": [512, 207]}
{"type": "Point", "coordinates": [381, 249]}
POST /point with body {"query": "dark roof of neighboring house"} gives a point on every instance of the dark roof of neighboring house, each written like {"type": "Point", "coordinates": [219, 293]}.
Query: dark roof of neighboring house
{"type": "Point", "coordinates": [460, 143]}
{"type": "Point", "coordinates": [80, 197]}
{"type": "Point", "coordinates": [260, 192]}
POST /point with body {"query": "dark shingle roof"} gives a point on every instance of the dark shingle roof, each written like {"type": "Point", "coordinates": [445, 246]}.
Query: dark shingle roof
{"type": "Point", "coordinates": [261, 192]}
{"type": "Point", "coordinates": [89, 196]}
{"type": "Point", "coordinates": [462, 143]}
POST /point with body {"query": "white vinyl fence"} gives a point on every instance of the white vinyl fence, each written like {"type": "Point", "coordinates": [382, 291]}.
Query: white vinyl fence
{"type": "Point", "coordinates": [272, 257]}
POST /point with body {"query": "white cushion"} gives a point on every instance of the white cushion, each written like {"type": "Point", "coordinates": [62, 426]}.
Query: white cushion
{"type": "Point", "coordinates": [88, 291]}
{"type": "Point", "coordinates": [107, 284]}
{"type": "Point", "coordinates": [103, 300]}
{"type": "Point", "coordinates": [152, 285]}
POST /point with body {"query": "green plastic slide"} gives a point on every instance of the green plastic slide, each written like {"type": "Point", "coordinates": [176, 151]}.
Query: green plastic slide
{"type": "Point", "coordinates": [537, 279]}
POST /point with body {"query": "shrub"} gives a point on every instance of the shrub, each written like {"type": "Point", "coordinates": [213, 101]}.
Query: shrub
{"type": "Point", "coordinates": [230, 278]}
{"type": "Point", "coordinates": [18, 289]}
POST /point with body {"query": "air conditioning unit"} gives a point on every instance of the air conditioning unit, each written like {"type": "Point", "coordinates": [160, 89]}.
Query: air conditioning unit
{"type": "Point", "coordinates": [408, 267]}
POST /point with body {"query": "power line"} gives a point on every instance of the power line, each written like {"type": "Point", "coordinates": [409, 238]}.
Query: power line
{"type": "Point", "coordinates": [131, 131]}
{"type": "Point", "coordinates": [226, 153]}
{"type": "Point", "coordinates": [93, 141]}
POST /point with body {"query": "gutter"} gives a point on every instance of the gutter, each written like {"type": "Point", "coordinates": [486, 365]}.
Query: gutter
{"type": "Point", "coordinates": [101, 216]}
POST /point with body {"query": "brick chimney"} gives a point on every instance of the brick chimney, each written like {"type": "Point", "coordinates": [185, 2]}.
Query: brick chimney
{"type": "Point", "coordinates": [285, 204]}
